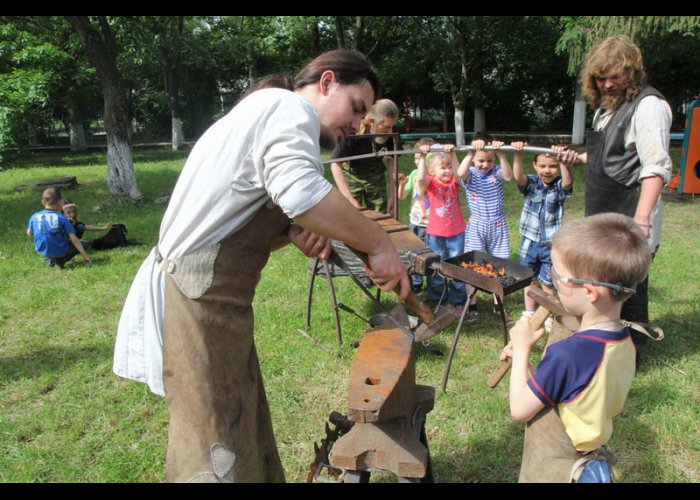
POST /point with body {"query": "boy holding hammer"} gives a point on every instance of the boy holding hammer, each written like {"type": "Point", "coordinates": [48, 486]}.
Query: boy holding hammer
{"type": "Point", "coordinates": [582, 382]}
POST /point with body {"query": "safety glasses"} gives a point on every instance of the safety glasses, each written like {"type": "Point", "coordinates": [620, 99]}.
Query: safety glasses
{"type": "Point", "coordinates": [615, 287]}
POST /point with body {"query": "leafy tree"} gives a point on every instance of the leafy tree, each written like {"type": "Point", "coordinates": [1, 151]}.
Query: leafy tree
{"type": "Point", "coordinates": [98, 39]}
{"type": "Point", "coordinates": [661, 39]}
{"type": "Point", "coordinates": [42, 77]}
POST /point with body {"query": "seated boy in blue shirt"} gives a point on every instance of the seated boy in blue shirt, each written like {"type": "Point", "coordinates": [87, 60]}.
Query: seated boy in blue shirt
{"type": "Point", "coordinates": [51, 231]}
{"type": "Point", "coordinates": [582, 382]}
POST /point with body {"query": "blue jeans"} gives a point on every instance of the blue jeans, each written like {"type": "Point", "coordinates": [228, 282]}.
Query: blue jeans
{"type": "Point", "coordinates": [538, 257]}
{"type": "Point", "coordinates": [446, 248]}
{"type": "Point", "coordinates": [596, 471]}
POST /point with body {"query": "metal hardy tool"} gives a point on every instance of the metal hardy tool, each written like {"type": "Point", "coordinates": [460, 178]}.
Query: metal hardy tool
{"type": "Point", "coordinates": [432, 324]}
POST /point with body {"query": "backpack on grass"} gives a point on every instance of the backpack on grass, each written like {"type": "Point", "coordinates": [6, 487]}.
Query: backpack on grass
{"type": "Point", "coordinates": [115, 237]}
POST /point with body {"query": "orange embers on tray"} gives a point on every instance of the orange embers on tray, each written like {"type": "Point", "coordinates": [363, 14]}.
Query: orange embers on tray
{"type": "Point", "coordinates": [487, 270]}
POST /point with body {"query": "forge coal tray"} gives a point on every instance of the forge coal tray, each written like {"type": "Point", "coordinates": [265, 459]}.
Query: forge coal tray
{"type": "Point", "coordinates": [516, 277]}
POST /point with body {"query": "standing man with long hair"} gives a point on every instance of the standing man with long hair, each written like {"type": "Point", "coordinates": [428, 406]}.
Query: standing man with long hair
{"type": "Point", "coordinates": [628, 149]}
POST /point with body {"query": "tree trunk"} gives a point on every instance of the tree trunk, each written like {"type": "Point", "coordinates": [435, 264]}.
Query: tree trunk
{"type": "Point", "coordinates": [358, 44]}
{"type": "Point", "coordinates": [340, 32]}
{"type": "Point", "coordinates": [172, 85]}
{"type": "Point", "coordinates": [477, 75]}
{"type": "Point", "coordinates": [32, 138]}
{"type": "Point", "coordinates": [459, 124]}
{"type": "Point", "coordinates": [460, 100]}
{"type": "Point", "coordinates": [177, 133]}
{"type": "Point", "coordinates": [169, 55]}
{"type": "Point", "coordinates": [121, 180]}
{"type": "Point", "coordinates": [578, 133]}
{"type": "Point", "coordinates": [77, 136]}
{"type": "Point", "coordinates": [315, 38]}
{"type": "Point", "coordinates": [100, 47]}
{"type": "Point", "coordinates": [479, 120]}
{"type": "Point", "coordinates": [75, 124]}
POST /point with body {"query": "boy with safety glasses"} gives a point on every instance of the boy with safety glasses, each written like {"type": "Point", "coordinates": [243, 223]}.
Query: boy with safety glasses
{"type": "Point", "coordinates": [582, 382]}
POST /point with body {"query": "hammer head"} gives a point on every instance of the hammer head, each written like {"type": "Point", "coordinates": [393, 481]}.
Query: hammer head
{"type": "Point", "coordinates": [553, 305]}
{"type": "Point", "coordinates": [443, 319]}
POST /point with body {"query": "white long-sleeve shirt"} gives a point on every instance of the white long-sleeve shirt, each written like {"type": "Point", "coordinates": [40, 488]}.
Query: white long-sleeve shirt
{"type": "Point", "coordinates": [265, 148]}
{"type": "Point", "coordinates": [649, 132]}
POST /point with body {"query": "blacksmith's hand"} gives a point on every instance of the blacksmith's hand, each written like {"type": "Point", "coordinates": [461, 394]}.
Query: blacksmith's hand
{"type": "Point", "coordinates": [311, 244]}
{"type": "Point", "coordinates": [387, 271]}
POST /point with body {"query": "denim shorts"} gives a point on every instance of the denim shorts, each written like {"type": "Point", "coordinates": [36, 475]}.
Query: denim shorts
{"type": "Point", "coordinates": [596, 471]}
{"type": "Point", "coordinates": [538, 257]}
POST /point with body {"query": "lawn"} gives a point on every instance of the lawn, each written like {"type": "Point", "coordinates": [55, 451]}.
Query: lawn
{"type": "Point", "coordinates": [67, 418]}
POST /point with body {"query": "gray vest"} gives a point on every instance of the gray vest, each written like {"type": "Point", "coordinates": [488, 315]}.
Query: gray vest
{"type": "Point", "coordinates": [613, 170]}
{"type": "Point", "coordinates": [619, 163]}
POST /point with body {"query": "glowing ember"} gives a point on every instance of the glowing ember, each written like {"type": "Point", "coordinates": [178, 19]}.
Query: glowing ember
{"type": "Point", "coordinates": [486, 270]}
{"type": "Point", "coordinates": [489, 270]}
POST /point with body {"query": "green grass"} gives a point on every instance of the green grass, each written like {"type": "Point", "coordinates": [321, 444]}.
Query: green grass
{"type": "Point", "coordinates": [66, 418]}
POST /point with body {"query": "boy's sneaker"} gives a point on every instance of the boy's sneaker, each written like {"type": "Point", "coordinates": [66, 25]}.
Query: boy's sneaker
{"type": "Point", "coordinates": [459, 310]}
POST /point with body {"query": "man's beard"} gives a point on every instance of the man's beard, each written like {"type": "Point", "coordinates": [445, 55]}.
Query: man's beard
{"type": "Point", "coordinates": [614, 101]}
{"type": "Point", "coordinates": [328, 140]}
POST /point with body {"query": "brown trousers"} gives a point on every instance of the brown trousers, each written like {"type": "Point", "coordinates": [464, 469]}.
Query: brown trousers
{"type": "Point", "coordinates": [220, 428]}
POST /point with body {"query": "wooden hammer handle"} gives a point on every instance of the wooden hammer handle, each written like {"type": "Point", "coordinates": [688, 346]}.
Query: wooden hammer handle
{"type": "Point", "coordinates": [536, 322]}
{"type": "Point", "coordinates": [417, 305]}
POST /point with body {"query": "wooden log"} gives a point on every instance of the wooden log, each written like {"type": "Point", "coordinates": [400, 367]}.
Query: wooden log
{"type": "Point", "coordinates": [60, 182]}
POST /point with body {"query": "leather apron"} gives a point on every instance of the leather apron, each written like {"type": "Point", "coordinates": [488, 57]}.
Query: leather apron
{"type": "Point", "coordinates": [220, 428]}
{"type": "Point", "coordinates": [618, 192]}
{"type": "Point", "coordinates": [548, 454]}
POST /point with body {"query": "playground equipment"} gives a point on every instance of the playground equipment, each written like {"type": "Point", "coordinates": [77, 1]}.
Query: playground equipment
{"type": "Point", "coordinates": [688, 179]}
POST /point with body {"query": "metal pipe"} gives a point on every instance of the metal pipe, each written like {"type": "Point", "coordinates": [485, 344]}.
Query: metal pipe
{"type": "Point", "coordinates": [439, 148]}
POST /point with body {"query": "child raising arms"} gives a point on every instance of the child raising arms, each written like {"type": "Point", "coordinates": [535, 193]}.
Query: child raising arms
{"type": "Point", "coordinates": [582, 382]}
{"type": "Point", "coordinates": [542, 215]}
{"type": "Point", "coordinates": [445, 230]}
{"type": "Point", "coordinates": [418, 216]}
{"type": "Point", "coordinates": [487, 229]}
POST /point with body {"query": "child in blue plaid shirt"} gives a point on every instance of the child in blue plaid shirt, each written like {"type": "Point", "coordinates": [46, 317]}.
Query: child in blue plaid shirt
{"type": "Point", "coordinates": [543, 214]}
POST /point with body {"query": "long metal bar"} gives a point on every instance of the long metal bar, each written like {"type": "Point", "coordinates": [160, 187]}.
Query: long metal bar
{"type": "Point", "coordinates": [380, 154]}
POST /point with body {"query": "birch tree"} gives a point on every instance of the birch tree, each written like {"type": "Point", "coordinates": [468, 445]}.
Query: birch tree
{"type": "Point", "coordinates": [98, 41]}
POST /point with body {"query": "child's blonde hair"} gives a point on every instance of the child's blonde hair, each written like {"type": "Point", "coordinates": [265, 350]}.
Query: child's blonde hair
{"type": "Point", "coordinates": [608, 247]}
{"type": "Point", "coordinates": [438, 158]}
{"type": "Point", "coordinates": [425, 141]}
